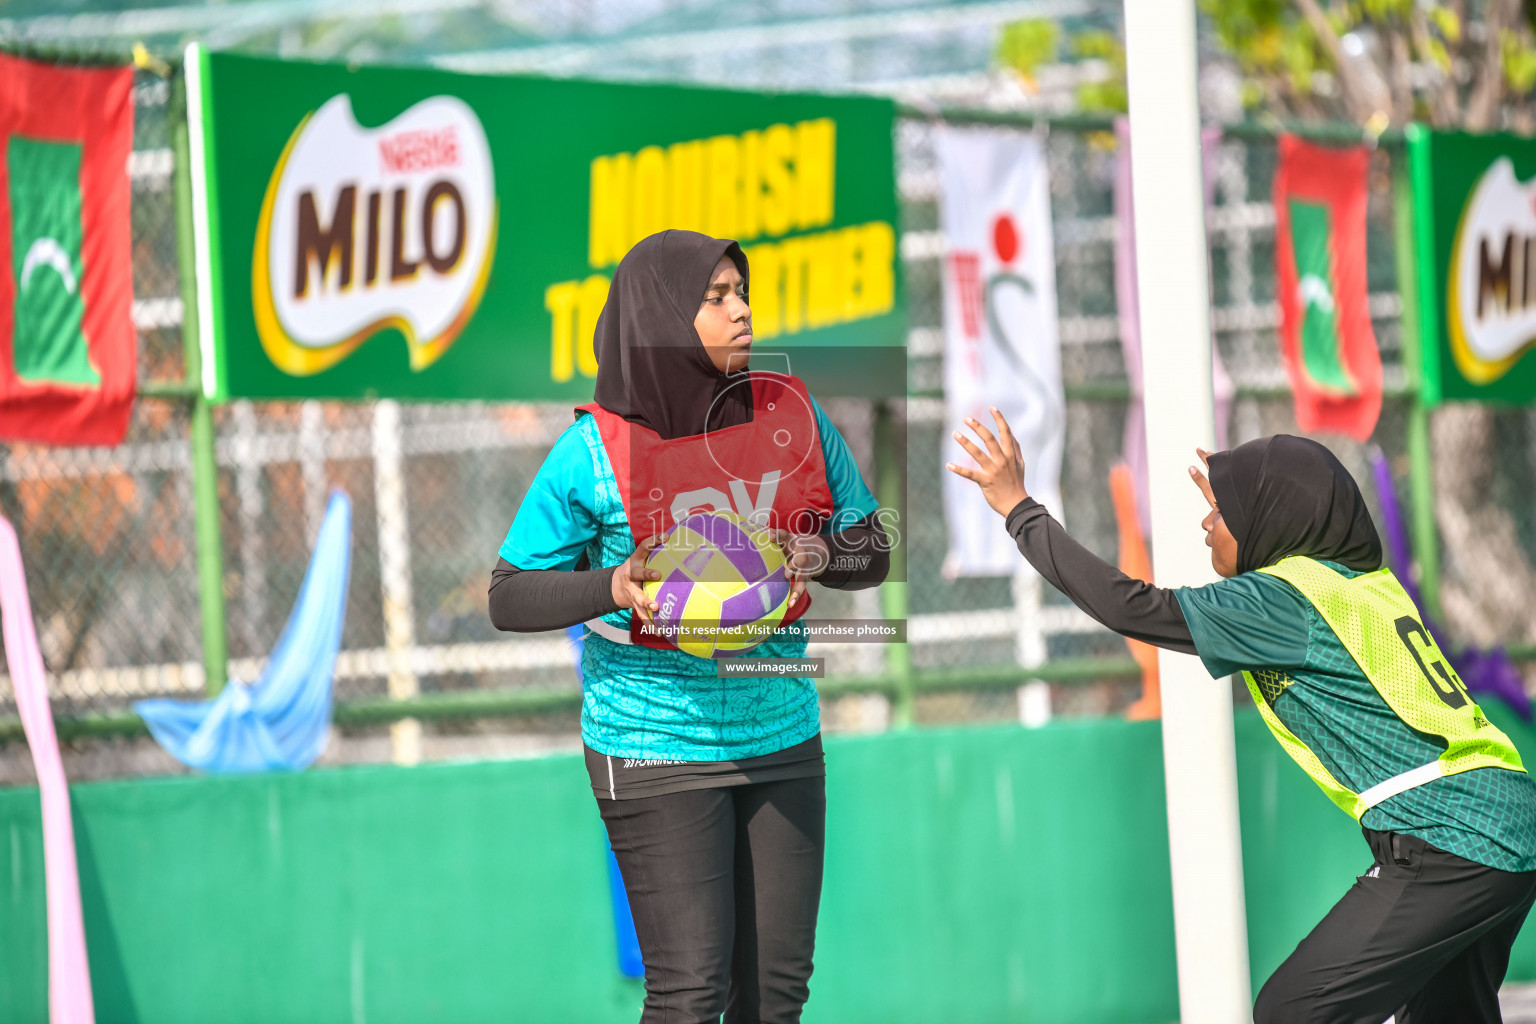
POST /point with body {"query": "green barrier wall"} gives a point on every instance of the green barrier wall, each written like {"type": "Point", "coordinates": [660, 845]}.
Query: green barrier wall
{"type": "Point", "coordinates": [991, 874]}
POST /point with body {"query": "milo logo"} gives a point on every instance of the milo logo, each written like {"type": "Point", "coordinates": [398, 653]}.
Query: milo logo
{"type": "Point", "coordinates": [1491, 300]}
{"type": "Point", "coordinates": [364, 229]}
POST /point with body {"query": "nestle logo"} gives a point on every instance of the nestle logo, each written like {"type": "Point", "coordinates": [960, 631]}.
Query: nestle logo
{"type": "Point", "coordinates": [420, 149]}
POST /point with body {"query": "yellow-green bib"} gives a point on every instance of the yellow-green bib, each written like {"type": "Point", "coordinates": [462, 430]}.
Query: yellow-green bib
{"type": "Point", "coordinates": [1379, 626]}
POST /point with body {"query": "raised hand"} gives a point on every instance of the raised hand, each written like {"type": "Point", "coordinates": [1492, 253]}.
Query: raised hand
{"type": "Point", "coordinates": [1000, 465]}
{"type": "Point", "coordinates": [1199, 477]}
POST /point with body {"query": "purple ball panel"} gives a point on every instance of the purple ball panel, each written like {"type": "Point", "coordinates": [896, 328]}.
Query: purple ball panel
{"type": "Point", "coordinates": [732, 541]}
{"type": "Point", "coordinates": [754, 602]}
{"type": "Point", "coordinates": [675, 589]}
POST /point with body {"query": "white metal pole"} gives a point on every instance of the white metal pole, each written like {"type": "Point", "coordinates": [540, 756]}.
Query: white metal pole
{"type": "Point", "coordinates": [395, 574]}
{"type": "Point", "coordinates": [1199, 757]}
{"type": "Point", "coordinates": [1034, 695]}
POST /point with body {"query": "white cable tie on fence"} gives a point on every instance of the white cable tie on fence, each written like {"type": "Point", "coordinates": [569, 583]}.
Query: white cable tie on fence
{"type": "Point", "coordinates": [149, 170]}
{"type": "Point", "coordinates": [925, 410]}
{"type": "Point", "coordinates": [1385, 305]}
{"type": "Point", "coordinates": [925, 341]}
{"type": "Point", "coordinates": [157, 314]}
{"type": "Point", "coordinates": [923, 245]}
{"type": "Point", "coordinates": [918, 186]}
{"type": "Point", "coordinates": [152, 94]}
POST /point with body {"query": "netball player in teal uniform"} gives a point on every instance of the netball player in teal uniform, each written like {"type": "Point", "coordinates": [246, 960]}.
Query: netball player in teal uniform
{"type": "Point", "coordinates": [712, 789]}
{"type": "Point", "coordinates": [1356, 690]}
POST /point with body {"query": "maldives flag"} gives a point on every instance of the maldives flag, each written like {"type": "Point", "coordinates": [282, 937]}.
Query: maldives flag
{"type": "Point", "coordinates": [1325, 323]}
{"type": "Point", "coordinates": [67, 339]}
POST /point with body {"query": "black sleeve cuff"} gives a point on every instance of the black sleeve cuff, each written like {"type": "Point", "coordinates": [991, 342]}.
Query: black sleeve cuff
{"type": "Point", "coordinates": [1020, 514]}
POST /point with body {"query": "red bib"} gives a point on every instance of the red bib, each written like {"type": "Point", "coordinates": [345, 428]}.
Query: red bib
{"type": "Point", "coordinates": [770, 471]}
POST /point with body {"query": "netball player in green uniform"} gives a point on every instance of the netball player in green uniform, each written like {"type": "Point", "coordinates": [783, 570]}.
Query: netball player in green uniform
{"type": "Point", "coordinates": [1357, 691]}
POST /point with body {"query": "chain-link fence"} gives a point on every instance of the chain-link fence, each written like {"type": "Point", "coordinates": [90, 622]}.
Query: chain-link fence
{"type": "Point", "coordinates": [109, 535]}
{"type": "Point", "coordinates": [1000, 619]}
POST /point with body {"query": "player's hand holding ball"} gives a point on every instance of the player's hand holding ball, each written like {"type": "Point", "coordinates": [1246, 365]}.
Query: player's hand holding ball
{"type": "Point", "coordinates": [805, 557]}
{"type": "Point", "coordinates": [1000, 472]}
{"type": "Point", "coordinates": [629, 578]}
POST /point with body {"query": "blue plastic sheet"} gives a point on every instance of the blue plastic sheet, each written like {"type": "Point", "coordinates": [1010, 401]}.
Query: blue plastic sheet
{"type": "Point", "coordinates": [280, 721]}
{"type": "Point", "coordinates": [630, 963]}
{"type": "Point", "coordinates": [577, 635]}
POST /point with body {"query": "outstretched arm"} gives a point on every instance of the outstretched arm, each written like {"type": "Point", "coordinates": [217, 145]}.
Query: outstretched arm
{"type": "Point", "coordinates": [1127, 606]}
{"type": "Point", "coordinates": [1130, 607]}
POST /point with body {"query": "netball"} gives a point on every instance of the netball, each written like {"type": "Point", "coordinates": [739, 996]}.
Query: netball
{"type": "Point", "coordinates": [722, 589]}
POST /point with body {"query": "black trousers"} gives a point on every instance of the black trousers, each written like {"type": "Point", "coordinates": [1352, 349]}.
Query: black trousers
{"type": "Point", "coordinates": [1423, 934]}
{"type": "Point", "coordinates": [724, 885]}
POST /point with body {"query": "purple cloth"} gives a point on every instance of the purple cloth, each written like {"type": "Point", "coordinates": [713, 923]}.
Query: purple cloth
{"type": "Point", "coordinates": [1483, 671]}
{"type": "Point", "coordinates": [1135, 443]}
{"type": "Point", "coordinates": [1395, 534]}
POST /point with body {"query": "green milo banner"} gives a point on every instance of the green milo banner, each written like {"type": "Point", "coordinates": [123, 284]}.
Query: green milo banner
{"type": "Point", "coordinates": [419, 234]}
{"type": "Point", "coordinates": [1474, 199]}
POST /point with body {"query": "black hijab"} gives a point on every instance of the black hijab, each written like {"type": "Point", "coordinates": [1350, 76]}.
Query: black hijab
{"type": "Point", "coordinates": [651, 366]}
{"type": "Point", "coordinates": [1285, 495]}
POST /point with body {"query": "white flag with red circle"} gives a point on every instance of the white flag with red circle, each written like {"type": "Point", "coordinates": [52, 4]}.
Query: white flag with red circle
{"type": "Point", "coordinates": [1001, 342]}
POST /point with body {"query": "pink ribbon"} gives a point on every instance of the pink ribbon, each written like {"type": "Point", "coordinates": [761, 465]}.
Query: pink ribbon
{"type": "Point", "coordinates": [69, 972]}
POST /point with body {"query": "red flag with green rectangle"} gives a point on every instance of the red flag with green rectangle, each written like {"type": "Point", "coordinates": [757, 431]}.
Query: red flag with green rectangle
{"type": "Point", "coordinates": [1326, 340]}
{"type": "Point", "coordinates": [67, 338]}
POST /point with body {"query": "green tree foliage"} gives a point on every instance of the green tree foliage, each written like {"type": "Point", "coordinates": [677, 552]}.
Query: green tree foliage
{"type": "Point", "coordinates": [1023, 46]}
{"type": "Point", "coordinates": [1107, 94]}
{"type": "Point", "coordinates": [1460, 63]}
